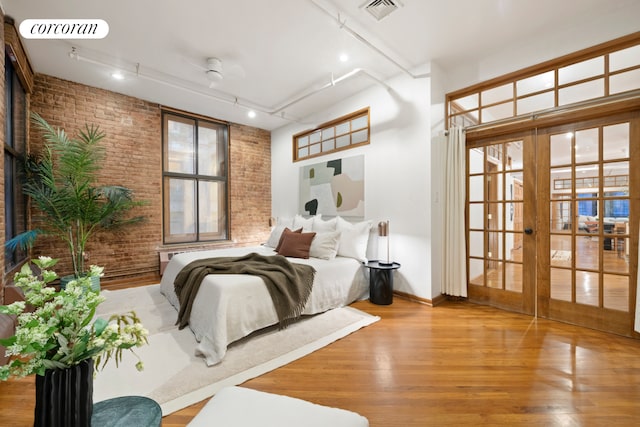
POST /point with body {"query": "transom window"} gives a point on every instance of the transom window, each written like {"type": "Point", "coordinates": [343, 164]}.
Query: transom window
{"type": "Point", "coordinates": [599, 72]}
{"type": "Point", "coordinates": [343, 133]}
{"type": "Point", "coordinates": [195, 179]}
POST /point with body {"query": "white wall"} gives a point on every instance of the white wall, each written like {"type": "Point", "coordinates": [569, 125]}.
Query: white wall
{"type": "Point", "coordinates": [397, 172]}
{"type": "Point", "coordinates": [404, 162]}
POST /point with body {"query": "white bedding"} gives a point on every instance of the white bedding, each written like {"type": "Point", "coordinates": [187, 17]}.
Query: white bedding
{"type": "Point", "coordinates": [231, 306]}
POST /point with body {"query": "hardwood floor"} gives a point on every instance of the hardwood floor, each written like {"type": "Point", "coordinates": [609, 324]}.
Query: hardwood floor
{"type": "Point", "coordinates": [454, 364]}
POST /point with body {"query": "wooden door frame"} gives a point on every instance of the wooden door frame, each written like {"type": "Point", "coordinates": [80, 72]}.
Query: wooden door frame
{"type": "Point", "coordinates": [600, 318]}
{"type": "Point", "coordinates": [523, 302]}
{"type": "Point", "coordinates": [537, 297]}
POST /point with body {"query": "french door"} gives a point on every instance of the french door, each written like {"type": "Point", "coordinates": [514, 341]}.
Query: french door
{"type": "Point", "coordinates": [501, 206]}
{"type": "Point", "coordinates": [553, 221]}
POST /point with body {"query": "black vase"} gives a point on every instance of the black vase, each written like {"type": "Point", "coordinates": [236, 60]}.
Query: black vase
{"type": "Point", "coordinates": [64, 397]}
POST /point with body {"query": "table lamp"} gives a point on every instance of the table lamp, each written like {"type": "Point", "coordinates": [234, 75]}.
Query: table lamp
{"type": "Point", "coordinates": [383, 231]}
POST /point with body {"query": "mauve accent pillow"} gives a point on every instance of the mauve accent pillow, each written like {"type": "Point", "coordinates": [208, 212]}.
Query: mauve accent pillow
{"type": "Point", "coordinates": [284, 233]}
{"type": "Point", "coordinates": [296, 245]}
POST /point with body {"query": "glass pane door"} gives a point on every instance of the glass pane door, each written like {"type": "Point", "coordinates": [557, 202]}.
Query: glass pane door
{"type": "Point", "coordinates": [496, 222]}
{"type": "Point", "coordinates": [553, 221]}
{"type": "Point", "coordinates": [585, 261]}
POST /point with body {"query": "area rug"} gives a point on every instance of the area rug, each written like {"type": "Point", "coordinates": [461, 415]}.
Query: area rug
{"type": "Point", "coordinates": [175, 378]}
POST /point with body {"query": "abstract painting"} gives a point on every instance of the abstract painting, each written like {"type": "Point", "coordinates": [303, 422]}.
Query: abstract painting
{"type": "Point", "coordinates": [335, 187]}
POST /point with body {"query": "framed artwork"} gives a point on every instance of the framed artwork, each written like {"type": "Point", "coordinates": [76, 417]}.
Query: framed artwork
{"type": "Point", "coordinates": [335, 187]}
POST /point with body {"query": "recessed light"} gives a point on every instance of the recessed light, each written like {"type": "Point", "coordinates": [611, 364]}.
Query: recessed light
{"type": "Point", "coordinates": [251, 114]}
{"type": "Point", "coordinates": [117, 75]}
{"type": "Point", "coordinates": [344, 57]}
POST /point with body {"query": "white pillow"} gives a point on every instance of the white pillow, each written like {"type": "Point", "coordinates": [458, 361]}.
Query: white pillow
{"type": "Point", "coordinates": [319, 225]}
{"type": "Point", "coordinates": [325, 245]}
{"type": "Point", "coordinates": [274, 238]}
{"type": "Point", "coordinates": [353, 239]}
{"type": "Point", "coordinates": [301, 222]}
{"type": "Point", "coordinates": [276, 232]}
{"type": "Point", "coordinates": [287, 222]}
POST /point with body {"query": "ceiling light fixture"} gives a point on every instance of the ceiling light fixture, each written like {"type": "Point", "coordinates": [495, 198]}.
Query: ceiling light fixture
{"type": "Point", "coordinates": [251, 114]}
{"type": "Point", "coordinates": [117, 75]}
{"type": "Point", "coordinates": [344, 57]}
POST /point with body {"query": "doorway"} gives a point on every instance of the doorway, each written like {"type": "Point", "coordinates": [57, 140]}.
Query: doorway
{"type": "Point", "coordinates": [552, 218]}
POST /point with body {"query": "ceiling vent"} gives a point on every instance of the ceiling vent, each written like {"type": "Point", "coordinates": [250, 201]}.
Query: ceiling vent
{"type": "Point", "coordinates": [381, 8]}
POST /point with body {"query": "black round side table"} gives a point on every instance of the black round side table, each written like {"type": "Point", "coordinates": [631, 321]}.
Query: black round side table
{"type": "Point", "coordinates": [381, 281]}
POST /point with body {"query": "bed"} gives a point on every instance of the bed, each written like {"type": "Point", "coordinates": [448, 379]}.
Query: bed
{"type": "Point", "coordinates": [229, 307]}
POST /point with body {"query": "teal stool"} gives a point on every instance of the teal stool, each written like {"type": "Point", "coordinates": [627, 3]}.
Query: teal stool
{"type": "Point", "coordinates": [127, 411]}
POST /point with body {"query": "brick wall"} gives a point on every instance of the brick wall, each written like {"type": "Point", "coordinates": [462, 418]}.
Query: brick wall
{"type": "Point", "coordinates": [134, 159]}
{"type": "Point", "coordinates": [250, 160]}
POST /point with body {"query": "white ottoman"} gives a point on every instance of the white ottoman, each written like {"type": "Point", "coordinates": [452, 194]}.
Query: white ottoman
{"type": "Point", "coordinates": [239, 406]}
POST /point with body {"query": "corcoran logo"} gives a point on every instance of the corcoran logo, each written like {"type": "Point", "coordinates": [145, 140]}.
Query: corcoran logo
{"type": "Point", "coordinates": [64, 29]}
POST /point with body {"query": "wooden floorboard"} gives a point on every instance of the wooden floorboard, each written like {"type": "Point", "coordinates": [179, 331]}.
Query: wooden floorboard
{"type": "Point", "coordinates": [454, 364]}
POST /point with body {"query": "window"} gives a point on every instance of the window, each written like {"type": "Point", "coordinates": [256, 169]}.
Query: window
{"type": "Point", "coordinates": [15, 206]}
{"type": "Point", "coordinates": [340, 134]}
{"type": "Point", "coordinates": [616, 208]}
{"type": "Point", "coordinates": [594, 73]}
{"type": "Point", "coordinates": [588, 207]}
{"type": "Point", "coordinates": [195, 179]}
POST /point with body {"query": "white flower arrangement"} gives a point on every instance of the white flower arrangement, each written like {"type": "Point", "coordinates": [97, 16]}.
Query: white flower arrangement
{"type": "Point", "coordinates": [58, 329]}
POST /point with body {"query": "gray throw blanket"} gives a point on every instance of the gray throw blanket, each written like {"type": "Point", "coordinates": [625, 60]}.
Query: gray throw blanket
{"type": "Point", "coordinates": [289, 284]}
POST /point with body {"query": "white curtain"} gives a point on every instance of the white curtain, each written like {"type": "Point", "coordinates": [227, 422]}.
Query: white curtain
{"type": "Point", "coordinates": [454, 274]}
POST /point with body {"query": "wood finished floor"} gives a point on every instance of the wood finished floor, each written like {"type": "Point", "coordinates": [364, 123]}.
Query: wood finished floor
{"type": "Point", "coordinates": [455, 364]}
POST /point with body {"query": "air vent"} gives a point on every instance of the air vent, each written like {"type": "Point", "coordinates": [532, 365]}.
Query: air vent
{"type": "Point", "coordinates": [381, 8]}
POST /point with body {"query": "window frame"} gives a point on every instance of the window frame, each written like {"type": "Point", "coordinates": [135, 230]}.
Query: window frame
{"type": "Point", "coordinates": [197, 178]}
{"type": "Point", "coordinates": [331, 130]}
{"type": "Point", "coordinates": [467, 108]}
{"type": "Point", "coordinates": [15, 147]}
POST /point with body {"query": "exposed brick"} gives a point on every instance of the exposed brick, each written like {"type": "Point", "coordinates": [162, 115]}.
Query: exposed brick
{"type": "Point", "coordinates": [134, 159]}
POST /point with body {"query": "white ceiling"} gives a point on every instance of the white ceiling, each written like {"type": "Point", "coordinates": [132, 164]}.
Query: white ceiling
{"type": "Point", "coordinates": [278, 51]}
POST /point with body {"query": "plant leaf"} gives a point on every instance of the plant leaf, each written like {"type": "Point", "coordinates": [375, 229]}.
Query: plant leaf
{"type": "Point", "coordinates": [100, 325]}
{"type": "Point", "coordinates": [7, 342]}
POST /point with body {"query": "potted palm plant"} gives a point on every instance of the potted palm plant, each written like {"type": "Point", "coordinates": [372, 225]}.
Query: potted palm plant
{"type": "Point", "coordinates": [62, 184]}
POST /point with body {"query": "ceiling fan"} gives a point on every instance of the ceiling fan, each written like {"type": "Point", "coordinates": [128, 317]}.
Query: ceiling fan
{"type": "Point", "coordinates": [214, 71]}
